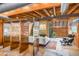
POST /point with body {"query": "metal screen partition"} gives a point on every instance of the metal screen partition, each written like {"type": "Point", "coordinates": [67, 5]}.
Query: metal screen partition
{"type": "Point", "coordinates": [6, 34]}
{"type": "Point", "coordinates": [24, 36]}
{"type": "Point", "coordinates": [15, 35]}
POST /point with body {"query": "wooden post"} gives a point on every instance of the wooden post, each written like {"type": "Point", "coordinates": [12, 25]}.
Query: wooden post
{"type": "Point", "coordinates": [1, 32]}
{"type": "Point", "coordinates": [35, 47]}
{"type": "Point", "coordinates": [77, 37]}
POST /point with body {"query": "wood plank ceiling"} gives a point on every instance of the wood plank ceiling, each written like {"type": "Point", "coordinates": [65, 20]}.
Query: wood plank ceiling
{"type": "Point", "coordinates": [48, 11]}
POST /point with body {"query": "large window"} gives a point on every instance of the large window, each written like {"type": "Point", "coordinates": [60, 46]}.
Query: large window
{"type": "Point", "coordinates": [7, 29]}
{"type": "Point", "coordinates": [42, 26]}
{"type": "Point", "coordinates": [74, 28]}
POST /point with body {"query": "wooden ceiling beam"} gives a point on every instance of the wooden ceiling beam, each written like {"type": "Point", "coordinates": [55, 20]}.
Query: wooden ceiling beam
{"type": "Point", "coordinates": [54, 10]}
{"type": "Point", "coordinates": [31, 15]}
{"type": "Point", "coordinates": [46, 12]}
{"type": "Point", "coordinates": [28, 16]}
{"type": "Point", "coordinates": [73, 8]}
{"type": "Point", "coordinates": [39, 14]}
{"type": "Point", "coordinates": [25, 15]}
{"type": "Point", "coordinates": [76, 11]}
{"type": "Point", "coordinates": [35, 15]}
{"type": "Point", "coordinates": [21, 16]}
{"type": "Point", "coordinates": [29, 8]}
{"type": "Point", "coordinates": [51, 11]}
